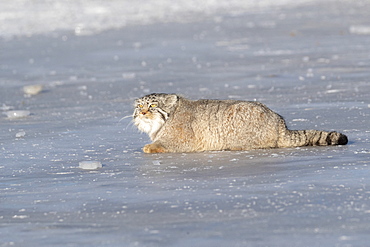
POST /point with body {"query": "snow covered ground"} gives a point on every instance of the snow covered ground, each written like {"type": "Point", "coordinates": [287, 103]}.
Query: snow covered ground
{"type": "Point", "coordinates": [307, 60]}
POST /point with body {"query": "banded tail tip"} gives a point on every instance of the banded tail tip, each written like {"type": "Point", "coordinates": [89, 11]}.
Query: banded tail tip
{"type": "Point", "coordinates": [335, 138]}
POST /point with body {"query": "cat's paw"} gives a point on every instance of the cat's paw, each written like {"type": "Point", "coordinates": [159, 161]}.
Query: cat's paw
{"type": "Point", "coordinates": [154, 148]}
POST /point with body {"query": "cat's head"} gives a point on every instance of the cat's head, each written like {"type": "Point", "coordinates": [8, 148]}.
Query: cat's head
{"type": "Point", "coordinates": [151, 111]}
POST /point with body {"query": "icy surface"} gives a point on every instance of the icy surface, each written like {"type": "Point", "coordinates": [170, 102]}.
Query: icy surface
{"type": "Point", "coordinates": [308, 60]}
{"type": "Point", "coordinates": [87, 17]}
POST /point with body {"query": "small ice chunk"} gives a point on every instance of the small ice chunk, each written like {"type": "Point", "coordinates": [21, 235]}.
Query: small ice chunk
{"type": "Point", "coordinates": [334, 91]}
{"type": "Point", "coordinates": [156, 162]}
{"type": "Point", "coordinates": [90, 165]}
{"type": "Point", "coordinates": [20, 216]}
{"type": "Point", "coordinates": [129, 75]}
{"type": "Point", "coordinates": [20, 134]}
{"type": "Point", "coordinates": [137, 45]}
{"type": "Point", "coordinates": [5, 107]}
{"type": "Point", "coordinates": [17, 114]}
{"type": "Point", "coordinates": [359, 29]}
{"type": "Point", "coordinates": [33, 89]}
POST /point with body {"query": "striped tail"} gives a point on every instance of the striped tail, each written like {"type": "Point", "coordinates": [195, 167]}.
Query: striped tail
{"type": "Point", "coordinates": [299, 138]}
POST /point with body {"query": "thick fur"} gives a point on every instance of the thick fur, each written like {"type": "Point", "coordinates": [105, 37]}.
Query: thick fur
{"type": "Point", "coordinates": [176, 124]}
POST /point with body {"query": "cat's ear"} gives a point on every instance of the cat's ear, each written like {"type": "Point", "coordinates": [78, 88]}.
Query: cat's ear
{"type": "Point", "coordinates": [171, 100]}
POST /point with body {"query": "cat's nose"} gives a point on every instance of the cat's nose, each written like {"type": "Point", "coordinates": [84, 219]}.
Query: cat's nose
{"type": "Point", "coordinates": [143, 112]}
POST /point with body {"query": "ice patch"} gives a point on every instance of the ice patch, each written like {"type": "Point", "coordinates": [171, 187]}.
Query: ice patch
{"type": "Point", "coordinates": [269, 52]}
{"type": "Point", "coordinates": [362, 151]}
{"type": "Point", "coordinates": [156, 162]}
{"type": "Point", "coordinates": [20, 216]}
{"type": "Point", "coordinates": [129, 75]}
{"type": "Point", "coordinates": [17, 114]}
{"type": "Point", "coordinates": [360, 29]}
{"type": "Point", "coordinates": [234, 45]}
{"type": "Point", "coordinates": [334, 91]}
{"type": "Point", "coordinates": [20, 134]}
{"type": "Point", "coordinates": [6, 107]}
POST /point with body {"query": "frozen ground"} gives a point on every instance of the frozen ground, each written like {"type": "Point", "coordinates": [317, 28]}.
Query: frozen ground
{"type": "Point", "coordinates": [309, 61]}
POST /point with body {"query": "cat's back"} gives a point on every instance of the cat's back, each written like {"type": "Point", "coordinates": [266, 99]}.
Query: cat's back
{"type": "Point", "coordinates": [210, 110]}
{"type": "Point", "coordinates": [224, 124]}
{"type": "Point", "coordinates": [204, 110]}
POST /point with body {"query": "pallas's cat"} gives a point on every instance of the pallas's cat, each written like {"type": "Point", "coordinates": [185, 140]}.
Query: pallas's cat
{"type": "Point", "coordinates": [177, 124]}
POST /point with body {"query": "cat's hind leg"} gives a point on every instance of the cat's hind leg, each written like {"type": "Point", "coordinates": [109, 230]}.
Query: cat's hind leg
{"type": "Point", "coordinates": [154, 148]}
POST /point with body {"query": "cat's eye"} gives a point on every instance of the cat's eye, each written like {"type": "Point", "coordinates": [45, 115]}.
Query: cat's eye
{"type": "Point", "coordinates": [140, 105]}
{"type": "Point", "coordinates": [153, 105]}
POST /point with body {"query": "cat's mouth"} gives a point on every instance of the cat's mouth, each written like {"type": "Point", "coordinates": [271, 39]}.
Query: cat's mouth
{"type": "Point", "coordinates": [146, 115]}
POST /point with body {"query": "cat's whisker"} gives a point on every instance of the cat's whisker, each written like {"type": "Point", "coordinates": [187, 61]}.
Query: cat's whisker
{"type": "Point", "coordinates": [125, 117]}
{"type": "Point", "coordinates": [130, 123]}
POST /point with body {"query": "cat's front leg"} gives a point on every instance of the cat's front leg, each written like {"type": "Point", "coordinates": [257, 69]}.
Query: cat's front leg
{"type": "Point", "coordinates": [154, 148]}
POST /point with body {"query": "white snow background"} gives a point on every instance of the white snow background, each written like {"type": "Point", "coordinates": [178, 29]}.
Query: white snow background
{"type": "Point", "coordinates": [308, 60]}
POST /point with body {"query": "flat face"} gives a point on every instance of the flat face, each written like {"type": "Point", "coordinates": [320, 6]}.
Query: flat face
{"type": "Point", "coordinates": [145, 107]}
{"type": "Point", "coordinates": [148, 115]}
{"type": "Point", "coordinates": [148, 107]}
